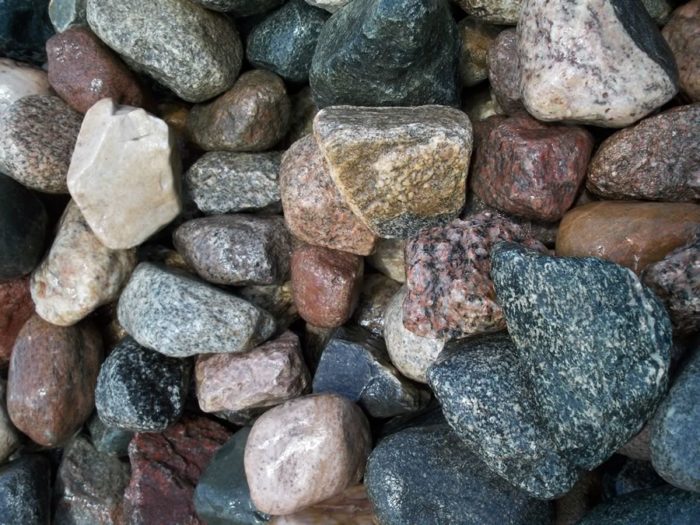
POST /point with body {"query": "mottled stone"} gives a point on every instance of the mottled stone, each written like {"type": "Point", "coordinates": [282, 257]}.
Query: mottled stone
{"type": "Point", "coordinates": [16, 307]}
{"type": "Point", "coordinates": [51, 380]}
{"type": "Point", "coordinates": [165, 469]}
{"type": "Point", "coordinates": [9, 438]}
{"type": "Point", "coordinates": [278, 300]}
{"type": "Point", "coordinates": [632, 234]}
{"type": "Point", "coordinates": [504, 72]}
{"type": "Point", "coordinates": [252, 116]}
{"type": "Point", "coordinates": [124, 175]}
{"type": "Point", "coordinates": [65, 14]}
{"type": "Point", "coordinates": [314, 209]}
{"type": "Point", "coordinates": [398, 169]}
{"type": "Point", "coordinates": [25, 491]}
{"type": "Point", "coordinates": [655, 160]}
{"type": "Point", "coordinates": [388, 258]}
{"type": "Point", "coordinates": [494, 11]}
{"type": "Point", "coordinates": [476, 38]}
{"type": "Point", "coordinates": [225, 182]}
{"type": "Point", "coordinates": [83, 71]}
{"type": "Point", "coordinates": [79, 274]}
{"type": "Point", "coordinates": [427, 475]}
{"type": "Point", "coordinates": [37, 137]}
{"type": "Point", "coordinates": [24, 28]}
{"type": "Point", "coordinates": [18, 80]}
{"type": "Point", "coordinates": [683, 37]}
{"type": "Point", "coordinates": [112, 441]}
{"type": "Point", "coordinates": [240, 7]}
{"type": "Point", "coordinates": [89, 486]}
{"type": "Point", "coordinates": [380, 53]}
{"type": "Point", "coordinates": [326, 284]}
{"type": "Point", "coordinates": [236, 249]}
{"type": "Point", "coordinates": [377, 290]}
{"type": "Point", "coordinates": [599, 62]}
{"type": "Point", "coordinates": [305, 451]}
{"type": "Point", "coordinates": [190, 50]}
{"type": "Point", "coordinates": [351, 507]}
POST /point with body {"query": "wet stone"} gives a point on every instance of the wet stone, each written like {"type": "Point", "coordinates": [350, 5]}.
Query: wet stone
{"type": "Point", "coordinates": [377, 291]}
{"type": "Point", "coordinates": [18, 79]}
{"type": "Point", "coordinates": [681, 33]}
{"type": "Point", "coordinates": [25, 490]}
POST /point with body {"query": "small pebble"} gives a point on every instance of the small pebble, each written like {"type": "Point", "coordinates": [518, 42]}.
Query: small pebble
{"type": "Point", "coordinates": [494, 11]}
{"type": "Point", "coordinates": [504, 72]}
{"type": "Point", "coordinates": [388, 258]}
{"type": "Point", "coordinates": [112, 441]}
{"type": "Point", "coordinates": [240, 8]}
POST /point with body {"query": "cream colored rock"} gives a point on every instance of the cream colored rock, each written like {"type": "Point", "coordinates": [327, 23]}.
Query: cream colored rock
{"type": "Point", "coordinates": [79, 273]}
{"type": "Point", "coordinates": [124, 174]}
{"type": "Point", "coordinates": [388, 258]}
{"type": "Point", "coordinates": [18, 80]}
{"type": "Point", "coordinates": [329, 5]}
{"type": "Point", "coordinates": [9, 439]}
{"type": "Point", "coordinates": [305, 451]}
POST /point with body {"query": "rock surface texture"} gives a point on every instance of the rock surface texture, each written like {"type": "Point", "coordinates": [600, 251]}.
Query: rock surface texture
{"type": "Point", "coordinates": [18, 80]}
{"type": "Point", "coordinates": [683, 37]}
{"type": "Point", "coordinates": [25, 490]}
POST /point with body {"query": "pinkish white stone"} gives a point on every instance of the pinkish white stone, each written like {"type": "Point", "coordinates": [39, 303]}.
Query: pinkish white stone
{"type": "Point", "coordinates": [18, 80]}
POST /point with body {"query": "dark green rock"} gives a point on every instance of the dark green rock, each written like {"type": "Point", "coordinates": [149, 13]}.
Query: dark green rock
{"type": "Point", "coordinates": [23, 222]}
{"type": "Point", "coordinates": [387, 53]}
{"type": "Point", "coordinates": [25, 495]}
{"type": "Point", "coordinates": [24, 29]}
{"type": "Point", "coordinates": [112, 441]}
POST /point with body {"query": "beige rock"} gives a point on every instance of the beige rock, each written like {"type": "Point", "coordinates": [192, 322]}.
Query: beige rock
{"type": "Point", "coordinates": [476, 37]}
{"type": "Point", "coordinates": [9, 439]}
{"type": "Point", "coordinates": [18, 80]}
{"type": "Point", "coordinates": [352, 507]}
{"type": "Point", "coordinates": [124, 174]}
{"type": "Point", "coordinates": [79, 274]}
{"type": "Point", "coordinates": [388, 258]}
{"type": "Point", "coordinates": [305, 451]}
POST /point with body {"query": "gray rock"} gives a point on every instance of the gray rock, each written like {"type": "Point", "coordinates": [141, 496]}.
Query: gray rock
{"type": "Point", "coordinates": [25, 493]}
{"type": "Point", "coordinates": [65, 14]}
{"type": "Point", "coordinates": [329, 5]}
{"type": "Point", "coordinates": [193, 51]}
{"type": "Point", "coordinates": [494, 11]}
{"type": "Point", "coordinates": [112, 441]}
{"type": "Point", "coordinates": [240, 7]}
{"type": "Point", "coordinates": [179, 315]}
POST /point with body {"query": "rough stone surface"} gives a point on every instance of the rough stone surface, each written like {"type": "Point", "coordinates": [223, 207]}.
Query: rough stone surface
{"type": "Point", "coordinates": [9, 438]}
{"type": "Point", "coordinates": [351, 507]}
{"type": "Point", "coordinates": [683, 37]}
{"type": "Point", "coordinates": [112, 441]}
{"type": "Point", "coordinates": [377, 291]}
{"type": "Point", "coordinates": [236, 249]}
{"type": "Point", "coordinates": [141, 390]}
{"type": "Point", "coordinates": [179, 315]}
{"type": "Point", "coordinates": [16, 307]}
{"type": "Point", "coordinates": [252, 116]}
{"type": "Point", "coordinates": [79, 274]}
{"type": "Point", "coordinates": [379, 53]}
{"type": "Point", "coordinates": [190, 50]}
{"type": "Point", "coordinates": [25, 491]}
{"type": "Point", "coordinates": [655, 160]}
{"type": "Point", "coordinates": [51, 380]}
{"type": "Point", "coordinates": [476, 38]}
{"type": "Point", "coordinates": [124, 175]}
{"type": "Point", "coordinates": [503, 12]}
{"type": "Point", "coordinates": [598, 62]}
{"type": "Point", "coordinates": [326, 284]}
{"type": "Point", "coordinates": [24, 28]}
{"type": "Point", "coordinates": [305, 451]}
{"type": "Point", "coordinates": [633, 234]}
{"type": "Point", "coordinates": [314, 209]}
{"type": "Point", "coordinates": [530, 169]}
{"type": "Point", "coordinates": [388, 258]}
{"type": "Point", "coordinates": [504, 72]}
{"type": "Point", "coordinates": [18, 80]}
{"type": "Point", "coordinates": [65, 14]}
{"type": "Point", "coordinates": [278, 300]}
{"type": "Point", "coordinates": [398, 169]}
{"type": "Point", "coordinates": [240, 7]}
{"type": "Point", "coordinates": [37, 137]}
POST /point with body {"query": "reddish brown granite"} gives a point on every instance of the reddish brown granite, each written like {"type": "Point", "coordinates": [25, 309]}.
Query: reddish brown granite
{"type": "Point", "coordinates": [682, 32]}
{"type": "Point", "coordinates": [16, 307]}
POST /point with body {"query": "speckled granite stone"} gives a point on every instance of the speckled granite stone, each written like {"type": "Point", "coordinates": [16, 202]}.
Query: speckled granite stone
{"type": "Point", "coordinates": [240, 7]}
{"type": "Point", "coordinates": [141, 390]}
{"type": "Point", "coordinates": [427, 475]}
{"type": "Point", "coordinates": [18, 80]}
{"type": "Point", "coordinates": [24, 28]}
{"type": "Point", "coordinates": [225, 182]}
{"type": "Point", "coordinates": [192, 51]}
{"type": "Point", "coordinates": [377, 290]}
{"type": "Point", "coordinates": [655, 160]}
{"type": "Point", "coordinates": [599, 62]}
{"type": "Point", "coordinates": [504, 72]}
{"type": "Point", "coordinates": [379, 53]}
{"type": "Point", "coordinates": [25, 491]}
{"type": "Point", "coordinates": [683, 37]}
{"type": "Point", "coordinates": [450, 293]}
{"type": "Point", "coordinates": [388, 258]}
{"type": "Point", "coordinates": [503, 12]}
{"type": "Point", "coordinates": [37, 137]}
{"type": "Point", "coordinates": [476, 37]}
{"type": "Point", "coordinates": [9, 437]}
{"type": "Point", "coordinates": [398, 169]}
{"type": "Point", "coordinates": [108, 440]}
{"type": "Point", "coordinates": [179, 315]}
{"type": "Point", "coordinates": [65, 14]}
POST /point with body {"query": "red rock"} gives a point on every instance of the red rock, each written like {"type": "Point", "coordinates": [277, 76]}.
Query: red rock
{"type": "Point", "coordinates": [165, 469]}
{"type": "Point", "coordinates": [531, 169]}
{"type": "Point", "coordinates": [326, 284]}
{"type": "Point", "coordinates": [682, 32]}
{"type": "Point", "coordinates": [82, 71]}
{"type": "Point", "coordinates": [16, 307]}
{"type": "Point", "coordinates": [52, 378]}
{"type": "Point", "coordinates": [504, 72]}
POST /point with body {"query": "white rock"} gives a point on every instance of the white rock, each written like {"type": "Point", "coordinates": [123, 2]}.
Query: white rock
{"type": "Point", "coordinates": [329, 5]}
{"type": "Point", "coordinates": [125, 174]}
{"type": "Point", "coordinates": [9, 439]}
{"type": "Point", "coordinates": [18, 80]}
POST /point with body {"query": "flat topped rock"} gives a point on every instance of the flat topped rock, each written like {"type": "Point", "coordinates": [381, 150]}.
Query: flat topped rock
{"type": "Point", "coordinates": [18, 80]}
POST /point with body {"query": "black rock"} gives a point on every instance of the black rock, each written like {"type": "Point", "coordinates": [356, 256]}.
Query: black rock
{"type": "Point", "coordinates": [25, 491]}
{"type": "Point", "coordinates": [356, 365]}
{"type": "Point", "coordinates": [284, 42]}
{"type": "Point", "coordinates": [222, 496]}
{"type": "Point", "coordinates": [387, 53]}
{"type": "Point", "coordinates": [623, 475]}
{"type": "Point", "coordinates": [24, 29]}
{"type": "Point", "coordinates": [240, 7]}
{"type": "Point", "coordinates": [428, 476]}
{"type": "Point", "coordinates": [140, 389]}
{"type": "Point", "coordinates": [109, 440]}
{"type": "Point", "coordinates": [23, 222]}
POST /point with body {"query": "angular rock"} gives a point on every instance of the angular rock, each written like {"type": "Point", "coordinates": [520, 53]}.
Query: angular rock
{"type": "Point", "coordinates": [655, 160]}
{"type": "Point", "coordinates": [179, 315]}
{"type": "Point", "coordinates": [51, 380]}
{"type": "Point", "coordinates": [25, 491]}
{"type": "Point", "coordinates": [504, 72]}
{"type": "Point", "coordinates": [388, 258]}
{"type": "Point", "coordinates": [24, 28]}
{"type": "Point", "coordinates": [37, 137]}
{"type": "Point", "coordinates": [284, 42]}
{"type": "Point", "coordinates": [326, 284]}
{"type": "Point", "coordinates": [398, 169]}
{"type": "Point", "coordinates": [9, 438]}
{"type": "Point", "coordinates": [381, 53]}
{"type": "Point", "coordinates": [124, 175]}
{"type": "Point", "coordinates": [225, 182]}
{"type": "Point", "coordinates": [112, 441]}
{"type": "Point", "coordinates": [16, 307]}
{"type": "Point", "coordinates": [377, 291]}
{"type": "Point", "coordinates": [251, 116]}
{"type": "Point", "coordinates": [476, 38]}
{"type": "Point", "coordinates": [65, 14]}
{"type": "Point", "coordinates": [305, 451]}
{"type": "Point", "coordinates": [190, 50]}
{"type": "Point", "coordinates": [79, 274]}
{"type": "Point", "coordinates": [278, 300]}
{"type": "Point", "coordinates": [236, 249]}
{"type": "Point", "coordinates": [314, 209]}
{"type": "Point", "coordinates": [681, 33]}
{"type": "Point", "coordinates": [624, 71]}
{"type": "Point", "coordinates": [632, 234]}
{"type": "Point", "coordinates": [494, 11]}
{"type": "Point", "coordinates": [240, 7]}
{"type": "Point", "coordinates": [18, 80]}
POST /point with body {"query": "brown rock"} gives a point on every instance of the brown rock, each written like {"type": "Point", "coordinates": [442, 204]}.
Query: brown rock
{"type": "Point", "coordinates": [82, 71]}
{"type": "Point", "coordinates": [388, 258]}
{"type": "Point", "coordinates": [326, 284]}
{"type": "Point", "coordinates": [314, 210]}
{"type": "Point", "coordinates": [352, 507]}
{"type": "Point", "coordinates": [377, 291]}
{"type": "Point", "coordinates": [504, 72]}
{"type": "Point", "coordinates": [476, 38]}
{"type": "Point", "coordinates": [682, 32]}
{"type": "Point", "coordinates": [52, 378]}
{"type": "Point", "coordinates": [304, 452]}
{"type": "Point", "coordinates": [252, 116]}
{"type": "Point", "coordinates": [658, 159]}
{"type": "Point", "coordinates": [16, 307]}
{"type": "Point", "coordinates": [632, 234]}
{"type": "Point", "coordinates": [531, 169]}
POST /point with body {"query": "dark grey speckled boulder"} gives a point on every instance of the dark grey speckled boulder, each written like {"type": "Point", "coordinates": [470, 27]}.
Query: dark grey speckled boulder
{"type": "Point", "coordinates": [25, 491]}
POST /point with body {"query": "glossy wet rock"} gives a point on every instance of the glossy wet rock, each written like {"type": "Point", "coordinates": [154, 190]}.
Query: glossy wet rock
{"type": "Point", "coordinates": [9, 437]}
{"type": "Point", "coordinates": [24, 28]}
{"type": "Point", "coordinates": [504, 72]}
{"type": "Point", "coordinates": [494, 11]}
{"type": "Point", "coordinates": [388, 258]}
{"type": "Point", "coordinates": [25, 490]}
{"type": "Point", "coordinates": [65, 14]}
{"type": "Point", "coordinates": [377, 291]}
{"type": "Point", "coordinates": [16, 307]}
{"type": "Point", "coordinates": [476, 38]}
{"type": "Point", "coordinates": [683, 37]}
{"type": "Point", "coordinates": [18, 79]}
